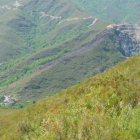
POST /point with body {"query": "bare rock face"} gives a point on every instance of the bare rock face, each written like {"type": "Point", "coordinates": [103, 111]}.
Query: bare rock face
{"type": "Point", "coordinates": [129, 38]}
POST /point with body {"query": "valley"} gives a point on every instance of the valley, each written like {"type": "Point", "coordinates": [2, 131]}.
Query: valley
{"type": "Point", "coordinates": [75, 46]}
{"type": "Point", "coordinates": [47, 38]}
{"type": "Point", "coordinates": [69, 70]}
{"type": "Point", "coordinates": [46, 78]}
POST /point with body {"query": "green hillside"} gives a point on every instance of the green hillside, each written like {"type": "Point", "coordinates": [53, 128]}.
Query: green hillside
{"type": "Point", "coordinates": [116, 11]}
{"type": "Point", "coordinates": [12, 45]}
{"type": "Point", "coordinates": [48, 46]}
{"type": "Point", "coordinates": [103, 107]}
{"type": "Point", "coordinates": [52, 45]}
{"type": "Point", "coordinates": [61, 72]}
{"type": "Point", "coordinates": [51, 70]}
{"type": "Point", "coordinates": [4, 112]}
{"type": "Point", "coordinates": [28, 26]}
{"type": "Point", "coordinates": [34, 33]}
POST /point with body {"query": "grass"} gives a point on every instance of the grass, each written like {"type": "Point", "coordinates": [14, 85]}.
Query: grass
{"type": "Point", "coordinates": [4, 112]}
{"type": "Point", "coordinates": [103, 107]}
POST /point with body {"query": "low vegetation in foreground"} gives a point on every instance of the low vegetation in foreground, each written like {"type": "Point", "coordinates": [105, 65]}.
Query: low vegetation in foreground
{"type": "Point", "coordinates": [105, 107]}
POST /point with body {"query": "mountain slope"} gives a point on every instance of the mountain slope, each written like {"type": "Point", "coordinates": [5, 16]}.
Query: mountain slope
{"type": "Point", "coordinates": [116, 11]}
{"type": "Point", "coordinates": [12, 44]}
{"type": "Point", "coordinates": [73, 65]}
{"type": "Point", "coordinates": [34, 33]}
{"type": "Point", "coordinates": [27, 26]}
{"type": "Point", "coordinates": [63, 46]}
{"type": "Point", "coordinates": [103, 107]}
{"type": "Point", "coordinates": [4, 112]}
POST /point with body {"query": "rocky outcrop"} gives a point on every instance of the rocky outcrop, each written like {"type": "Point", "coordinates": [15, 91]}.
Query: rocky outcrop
{"type": "Point", "coordinates": [129, 38]}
